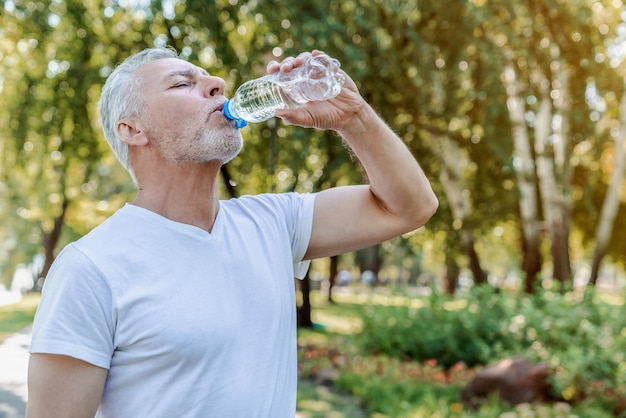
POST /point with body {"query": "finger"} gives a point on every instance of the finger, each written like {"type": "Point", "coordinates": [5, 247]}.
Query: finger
{"type": "Point", "coordinates": [287, 64]}
{"type": "Point", "coordinates": [272, 66]}
{"type": "Point", "coordinates": [285, 115]}
{"type": "Point", "coordinates": [301, 58]}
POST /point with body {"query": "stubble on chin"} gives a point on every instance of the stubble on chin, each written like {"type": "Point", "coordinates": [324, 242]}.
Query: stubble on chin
{"type": "Point", "coordinates": [222, 143]}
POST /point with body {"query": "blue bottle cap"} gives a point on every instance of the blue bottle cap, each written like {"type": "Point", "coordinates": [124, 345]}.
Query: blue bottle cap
{"type": "Point", "coordinates": [239, 123]}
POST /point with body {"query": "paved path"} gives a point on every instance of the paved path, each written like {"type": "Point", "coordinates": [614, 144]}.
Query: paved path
{"type": "Point", "coordinates": [13, 366]}
{"type": "Point", "coordinates": [13, 369]}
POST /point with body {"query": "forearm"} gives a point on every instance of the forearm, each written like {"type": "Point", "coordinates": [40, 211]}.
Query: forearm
{"type": "Point", "coordinates": [398, 198]}
{"type": "Point", "coordinates": [396, 180]}
{"type": "Point", "coordinates": [63, 387]}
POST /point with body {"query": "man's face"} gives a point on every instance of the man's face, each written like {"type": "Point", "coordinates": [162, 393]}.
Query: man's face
{"type": "Point", "coordinates": [182, 113]}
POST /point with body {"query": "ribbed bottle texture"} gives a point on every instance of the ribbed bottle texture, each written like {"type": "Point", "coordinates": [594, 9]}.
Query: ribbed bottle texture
{"type": "Point", "coordinates": [257, 100]}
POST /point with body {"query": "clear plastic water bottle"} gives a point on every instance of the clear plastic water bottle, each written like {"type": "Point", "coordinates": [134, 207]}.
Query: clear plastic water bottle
{"type": "Point", "coordinates": [257, 100]}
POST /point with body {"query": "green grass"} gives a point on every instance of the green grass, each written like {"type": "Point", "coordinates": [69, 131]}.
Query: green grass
{"type": "Point", "coordinates": [319, 401]}
{"type": "Point", "coordinates": [18, 316]}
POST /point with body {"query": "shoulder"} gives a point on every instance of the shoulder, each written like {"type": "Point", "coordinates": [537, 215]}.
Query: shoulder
{"type": "Point", "coordinates": [110, 223]}
{"type": "Point", "coordinates": [71, 257]}
{"type": "Point", "coordinates": [271, 203]}
{"type": "Point", "coordinates": [85, 260]}
{"type": "Point", "coordinates": [74, 269]}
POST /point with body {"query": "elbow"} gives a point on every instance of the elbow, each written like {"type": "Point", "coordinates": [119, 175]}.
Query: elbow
{"type": "Point", "coordinates": [430, 207]}
{"type": "Point", "coordinates": [433, 204]}
{"type": "Point", "coordinates": [424, 209]}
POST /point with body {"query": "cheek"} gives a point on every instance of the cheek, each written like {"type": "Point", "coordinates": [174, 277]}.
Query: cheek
{"type": "Point", "coordinates": [184, 118]}
{"type": "Point", "coordinates": [176, 118]}
{"type": "Point", "coordinates": [163, 118]}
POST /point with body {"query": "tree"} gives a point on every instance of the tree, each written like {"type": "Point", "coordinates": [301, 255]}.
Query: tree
{"type": "Point", "coordinates": [52, 147]}
{"type": "Point", "coordinates": [611, 200]}
{"type": "Point", "coordinates": [510, 107]}
{"type": "Point", "coordinates": [526, 181]}
{"type": "Point", "coordinates": [549, 69]}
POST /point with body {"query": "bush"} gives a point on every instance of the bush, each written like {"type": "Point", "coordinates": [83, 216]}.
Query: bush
{"type": "Point", "coordinates": [445, 330]}
{"type": "Point", "coordinates": [580, 338]}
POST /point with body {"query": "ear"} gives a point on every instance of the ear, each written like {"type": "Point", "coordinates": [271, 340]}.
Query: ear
{"type": "Point", "coordinates": [131, 131]}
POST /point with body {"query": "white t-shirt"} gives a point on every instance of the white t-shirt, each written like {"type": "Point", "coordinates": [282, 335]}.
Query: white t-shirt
{"type": "Point", "coordinates": [188, 323]}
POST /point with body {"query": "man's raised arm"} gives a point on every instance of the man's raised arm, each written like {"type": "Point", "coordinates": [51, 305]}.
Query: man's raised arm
{"type": "Point", "coordinates": [398, 198]}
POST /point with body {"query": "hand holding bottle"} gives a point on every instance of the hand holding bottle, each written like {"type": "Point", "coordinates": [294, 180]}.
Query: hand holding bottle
{"type": "Point", "coordinates": [335, 113]}
{"type": "Point", "coordinates": [300, 84]}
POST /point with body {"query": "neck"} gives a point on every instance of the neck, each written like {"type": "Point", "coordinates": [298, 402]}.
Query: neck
{"type": "Point", "coordinates": [188, 195]}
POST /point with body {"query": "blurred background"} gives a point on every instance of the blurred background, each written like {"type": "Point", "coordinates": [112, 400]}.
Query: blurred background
{"type": "Point", "coordinates": [516, 110]}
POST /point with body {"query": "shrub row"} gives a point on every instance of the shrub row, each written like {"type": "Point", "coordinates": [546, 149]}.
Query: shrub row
{"type": "Point", "coordinates": [579, 336]}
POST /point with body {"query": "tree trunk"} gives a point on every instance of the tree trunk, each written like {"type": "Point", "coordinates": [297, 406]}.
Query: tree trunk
{"type": "Point", "coordinates": [52, 238]}
{"type": "Point", "coordinates": [526, 180]}
{"type": "Point", "coordinates": [564, 173]}
{"type": "Point", "coordinates": [451, 279]}
{"type": "Point", "coordinates": [531, 263]}
{"type": "Point", "coordinates": [452, 181]}
{"type": "Point", "coordinates": [304, 310]}
{"type": "Point", "coordinates": [228, 182]}
{"type": "Point", "coordinates": [332, 274]}
{"type": "Point", "coordinates": [611, 202]}
{"type": "Point", "coordinates": [553, 199]}
{"type": "Point", "coordinates": [370, 259]}
{"type": "Point", "coordinates": [474, 262]}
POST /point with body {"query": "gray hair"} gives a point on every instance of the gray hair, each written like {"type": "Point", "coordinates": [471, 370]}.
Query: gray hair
{"type": "Point", "coordinates": [121, 98]}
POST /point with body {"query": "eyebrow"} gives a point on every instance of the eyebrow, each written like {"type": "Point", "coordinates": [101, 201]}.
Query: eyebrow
{"type": "Point", "coordinates": [187, 73]}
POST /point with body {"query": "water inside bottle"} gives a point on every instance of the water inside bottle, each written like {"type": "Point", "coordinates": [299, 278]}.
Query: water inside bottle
{"type": "Point", "coordinates": [257, 100]}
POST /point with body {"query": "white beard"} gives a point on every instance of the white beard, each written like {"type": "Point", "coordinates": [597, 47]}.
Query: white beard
{"type": "Point", "coordinates": [217, 144]}
{"type": "Point", "coordinates": [222, 143]}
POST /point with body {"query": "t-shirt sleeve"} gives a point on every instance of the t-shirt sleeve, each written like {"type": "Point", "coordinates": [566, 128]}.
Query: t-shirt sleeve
{"type": "Point", "coordinates": [76, 315]}
{"type": "Point", "coordinates": [302, 218]}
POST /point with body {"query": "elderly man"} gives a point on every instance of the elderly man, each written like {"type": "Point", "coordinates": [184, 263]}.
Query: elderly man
{"type": "Point", "coordinates": [182, 304]}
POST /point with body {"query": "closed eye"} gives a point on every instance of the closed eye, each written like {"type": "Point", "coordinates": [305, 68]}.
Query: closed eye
{"type": "Point", "coordinates": [182, 84]}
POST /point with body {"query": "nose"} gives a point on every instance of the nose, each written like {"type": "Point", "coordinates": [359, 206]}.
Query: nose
{"type": "Point", "coordinates": [214, 86]}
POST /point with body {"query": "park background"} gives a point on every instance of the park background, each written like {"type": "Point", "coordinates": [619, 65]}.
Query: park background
{"type": "Point", "coordinates": [516, 110]}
